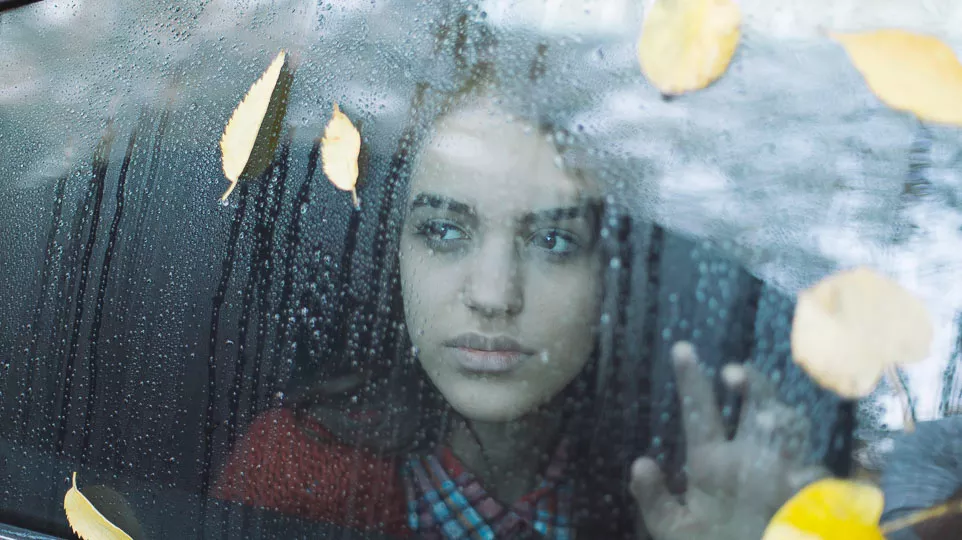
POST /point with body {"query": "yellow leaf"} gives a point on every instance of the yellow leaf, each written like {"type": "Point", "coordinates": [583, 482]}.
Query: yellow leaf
{"type": "Point", "coordinates": [909, 72]}
{"type": "Point", "coordinates": [851, 326]}
{"type": "Point", "coordinates": [253, 131]}
{"type": "Point", "coordinates": [340, 149]}
{"type": "Point", "coordinates": [86, 520]}
{"type": "Point", "coordinates": [687, 44]}
{"type": "Point", "coordinates": [829, 509]}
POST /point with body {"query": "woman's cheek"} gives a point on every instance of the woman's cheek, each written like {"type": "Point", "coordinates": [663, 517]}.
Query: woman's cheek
{"type": "Point", "coordinates": [575, 298]}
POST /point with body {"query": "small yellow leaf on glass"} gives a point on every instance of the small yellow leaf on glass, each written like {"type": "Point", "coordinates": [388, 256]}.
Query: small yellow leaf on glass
{"type": "Point", "coordinates": [852, 326]}
{"type": "Point", "coordinates": [340, 149]}
{"type": "Point", "coordinates": [253, 131]}
{"type": "Point", "coordinates": [686, 45]}
{"type": "Point", "coordinates": [86, 520]}
{"type": "Point", "coordinates": [909, 72]}
{"type": "Point", "coordinates": [829, 509]}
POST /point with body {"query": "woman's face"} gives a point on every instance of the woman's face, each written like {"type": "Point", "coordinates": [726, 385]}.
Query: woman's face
{"type": "Point", "coordinates": [499, 265]}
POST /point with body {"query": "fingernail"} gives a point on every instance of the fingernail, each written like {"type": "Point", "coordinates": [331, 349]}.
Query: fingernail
{"type": "Point", "coordinates": [683, 352]}
{"type": "Point", "coordinates": [644, 467]}
{"type": "Point", "coordinates": [766, 420]}
{"type": "Point", "coordinates": [734, 375]}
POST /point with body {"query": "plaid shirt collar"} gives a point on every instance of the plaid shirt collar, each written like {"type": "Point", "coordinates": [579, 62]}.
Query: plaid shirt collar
{"type": "Point", "coordinates": [445, 501]}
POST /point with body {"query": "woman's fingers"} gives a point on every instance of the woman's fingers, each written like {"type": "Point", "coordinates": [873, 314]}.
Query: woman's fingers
{"type": "Point", "coordinates": [776, 433]}
{"type": "Point", "coordinates": [768, 421]}
{"type": "Point", "coordinates": [700, 416]}
{"type": "Point", "coordinates": [758, 390]}
{"type": "Point", "coordinates": [659, 508]}
{"type": "Point", "coordinates": [759, 469]}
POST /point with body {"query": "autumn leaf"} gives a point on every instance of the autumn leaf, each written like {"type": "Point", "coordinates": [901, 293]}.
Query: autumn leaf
{"type": "Point", "coordinates": [86, 520]}
{"type": "Point", "coordinates": [687, 44]}
{"type": "Point", "coordinates": [850, 327]}
{"type": "Point", "coordinates": [909, 72]}
{"type": "Point", "coordinates": [829, 509]}
{"type": "Point", "coordinates": [253, 131]}
{"type": "Point", "coordinates": [340, 149]}
{"type": "Point", "coordinates": [836, 509]}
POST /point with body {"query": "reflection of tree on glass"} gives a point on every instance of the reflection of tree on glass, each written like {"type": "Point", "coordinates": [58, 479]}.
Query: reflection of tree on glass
{"type": "Point", "coordinates": [498, 280]}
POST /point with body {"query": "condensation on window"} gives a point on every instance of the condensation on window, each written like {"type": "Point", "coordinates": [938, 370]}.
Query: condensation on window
{"type": "Point", "coordinates": [494, 319]}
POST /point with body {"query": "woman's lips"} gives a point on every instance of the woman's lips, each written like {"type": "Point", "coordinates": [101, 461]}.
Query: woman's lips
{"type": "Point", "coordinates": [478, 361]}
{"type": "Point", "coordinates": [478, 353]}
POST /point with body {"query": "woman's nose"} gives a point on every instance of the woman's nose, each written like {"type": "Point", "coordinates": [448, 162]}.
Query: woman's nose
{"type": "Point", "coordinates": [493, 285]}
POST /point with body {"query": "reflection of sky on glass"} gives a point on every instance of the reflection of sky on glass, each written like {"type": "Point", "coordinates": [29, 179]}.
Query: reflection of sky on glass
{"type": "Point", "coordinates": [788, 158]}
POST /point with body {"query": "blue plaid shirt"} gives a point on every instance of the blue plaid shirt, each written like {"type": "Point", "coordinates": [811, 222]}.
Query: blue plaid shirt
{"type": "Point", "coordinates": [445, 501]}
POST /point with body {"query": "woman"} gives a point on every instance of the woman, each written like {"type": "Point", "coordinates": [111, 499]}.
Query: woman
{"type": "Point", "coordinates": [496, 315]}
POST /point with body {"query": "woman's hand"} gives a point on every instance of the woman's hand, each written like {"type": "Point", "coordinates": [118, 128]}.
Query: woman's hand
{"type": "Point", "coordinates": [735, 485]}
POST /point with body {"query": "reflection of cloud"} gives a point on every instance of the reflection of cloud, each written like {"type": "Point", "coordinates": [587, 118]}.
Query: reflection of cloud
{"type": "Point", "coordinates": [806, 18]}
{"type": "Point", "coordinates": [13, 92]}
{"type": "Point", "coordinates": [788, 19]}
{"type": "Point", "coordinates": [578, 17]}
{"type": "Point", "coordinates": [64, 63]}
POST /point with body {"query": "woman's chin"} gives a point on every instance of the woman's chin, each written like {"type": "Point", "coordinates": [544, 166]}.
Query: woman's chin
{"type": "Point", "coordinates": [491, 407]}
{"type": "Point", "coordinates": [501, 398]}
{"type": "Point", "coordinates": [482, 414]}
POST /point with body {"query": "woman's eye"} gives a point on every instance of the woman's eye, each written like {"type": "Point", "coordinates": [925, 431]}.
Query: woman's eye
{"type": "Point", "coordinates": [441, 231]}
{"type": "Point", "coordinates": [554, 242]}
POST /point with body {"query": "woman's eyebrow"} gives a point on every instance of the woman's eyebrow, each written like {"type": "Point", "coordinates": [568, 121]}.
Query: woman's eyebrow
{"type": "Point", "coordinates": [441, 203]}
{"type": "Point", "coordinates": [588, 210]}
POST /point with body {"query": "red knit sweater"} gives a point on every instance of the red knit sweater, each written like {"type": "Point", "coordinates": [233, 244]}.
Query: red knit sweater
{"type": "Point", "coordinates": [278, 466]}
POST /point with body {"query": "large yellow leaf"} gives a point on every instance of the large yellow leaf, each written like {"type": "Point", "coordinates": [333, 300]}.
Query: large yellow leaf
{"type": "Point", "coordinates": [836, 509]}
{"type": "Point", "coordinates": [86, 520]}
{"type": "Point", "coordinates": [909, 72]}
{"type": "Point", "coordinates": [850, 327]}
{"type": "Point", "coordinates": [829, 509]}
{"type": "Point", "coordinates": [253, 131]}
{"type": "Point", "coordinates": [687, 44]}
{"type": "Point", "coordinates": [340, 149]}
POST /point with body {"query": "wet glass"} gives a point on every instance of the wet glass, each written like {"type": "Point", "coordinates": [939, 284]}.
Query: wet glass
{"type": "Point", "coordinates": [536, 228]}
